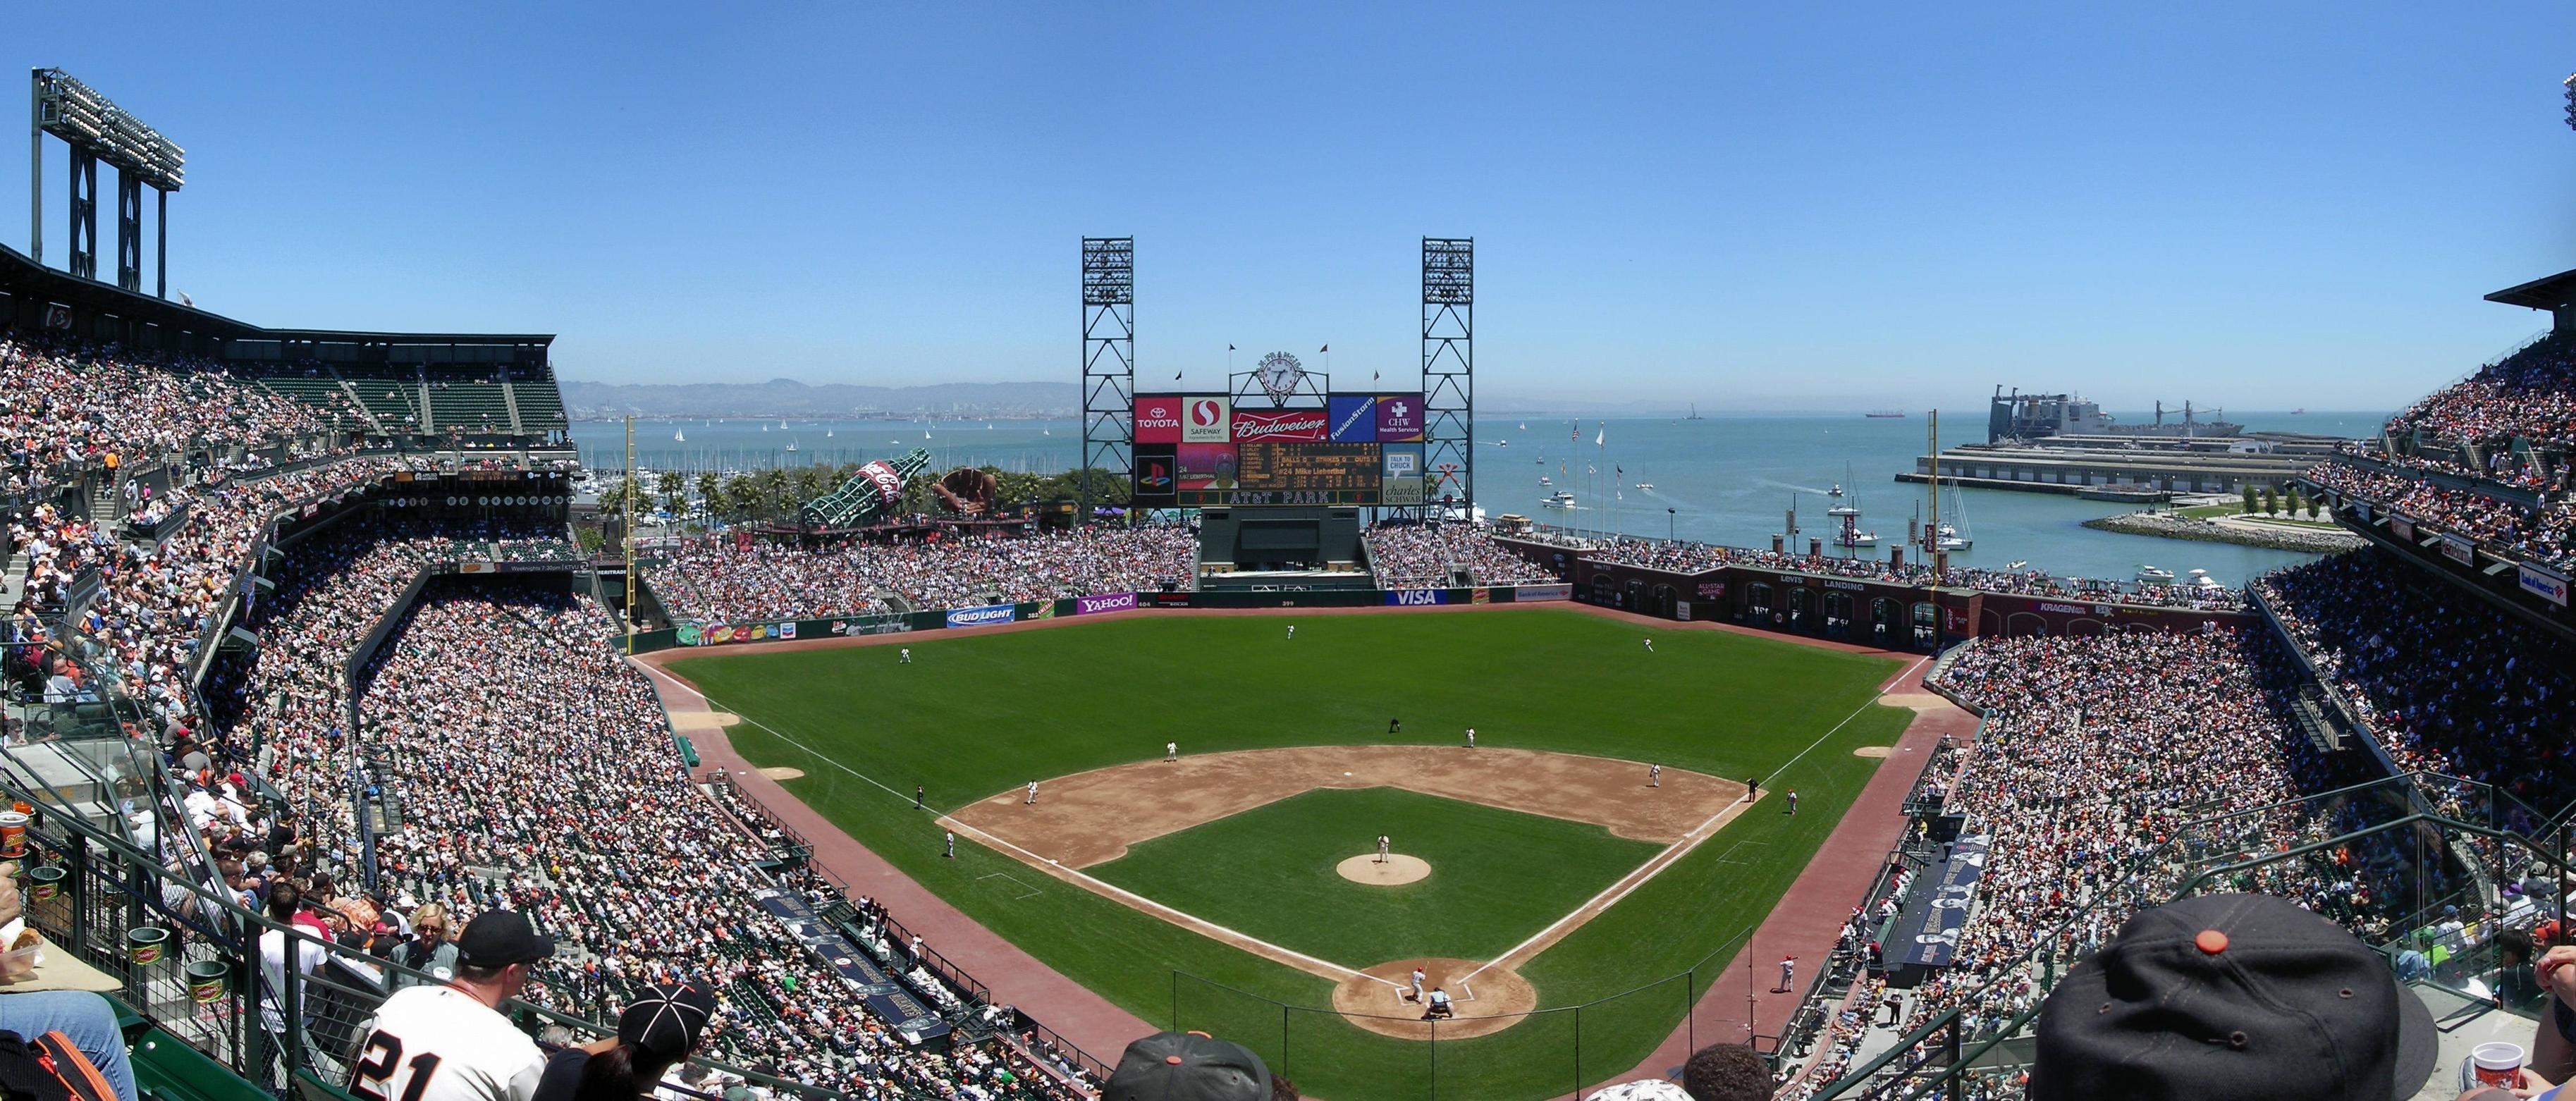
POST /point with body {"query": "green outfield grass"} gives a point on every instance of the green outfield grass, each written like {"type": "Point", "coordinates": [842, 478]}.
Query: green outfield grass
{"type": "Point", "coordinates": [1497, 875]}
{"type": "Point", "coordinates": [975, 715]}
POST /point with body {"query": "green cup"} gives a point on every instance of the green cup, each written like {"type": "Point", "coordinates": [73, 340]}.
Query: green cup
{"type": "Point", "coordinates": [209, 980]}
{"type": "Point", "coordinates": [45, 881]}
{"type": "Point", "coordinates": [144, 944]}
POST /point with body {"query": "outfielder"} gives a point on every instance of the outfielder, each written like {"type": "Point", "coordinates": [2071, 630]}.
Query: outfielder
{"type": "Point", "coordinates": [1793, 800]}
{"type": "Point", "coordinates": [1292, 632]}
{"type": "Point", "coordinates": [1650, 646]}
{"type": "Point", "coordinates": [1033, 794]}
{"type": "Point", "coordinates": [906, 659]}
{"type": "Point", "coordinates": [952, 843]}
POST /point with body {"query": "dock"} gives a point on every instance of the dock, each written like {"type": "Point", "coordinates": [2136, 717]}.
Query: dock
{"type": "Point", "coordinates": [2071, 465]}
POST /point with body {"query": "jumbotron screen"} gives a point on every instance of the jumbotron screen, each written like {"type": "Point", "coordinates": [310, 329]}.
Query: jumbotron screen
{"type": "Point", "coordinates": [1196, 450]}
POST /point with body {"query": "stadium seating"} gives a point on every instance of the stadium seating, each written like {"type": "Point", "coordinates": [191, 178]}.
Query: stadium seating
{"type": "Point", "coordinates": [714, 581]}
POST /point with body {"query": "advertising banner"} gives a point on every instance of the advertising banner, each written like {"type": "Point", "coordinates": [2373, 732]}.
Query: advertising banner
{"type": "Point", "coordinates": [1207, 466]}
{"type": "Point", "coordinates": [1105, 602]}
{"type": "Point", "coordinates": [1206, 420]}
{"type": "Point", "coordinates": [1927, 933]}
{"type": "Point", "coordinates": [984, 616]}
{"type": "Point", "coordinates": [1543, 592]}
{"type": "Point", "coordinates": [2459, 550]}
{"type": "Point", "coordinates": [2402, 528]}
{"type": "Point", "coordinates": [1417, 597]}
{"type": "Point", "coordinates": [1281, 425]}
{"type": "Point", "coordinates": [1480, 595]}
{"type": "Point", "coordinates": [2549, 585]}
{"type": "Point", "coordinates": [1712, 589]}
{"type": "Point", "coordinates": [1399, 417]}
{"type": "Point", "coordinates": [1682, 610]}
{"type": "Point", "coordinates": [1400, 491]}
{"type": "Point", "coordinates": [1354, 418]}
{"type": "Point", "coordinates": [1158, 418]}
{"type": "Point", "coordinates": [1403, 460]}
{"type": "Point", "coordinates": [872, 625]}
{"type": "Point", "coordinates": [1173, 600]}
{"type": "Point", "coordinates": [1158, 474]}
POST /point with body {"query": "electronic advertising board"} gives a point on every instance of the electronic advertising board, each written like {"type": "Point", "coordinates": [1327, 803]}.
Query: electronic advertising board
{"type": "Point", "coordinates": [1197, 450]}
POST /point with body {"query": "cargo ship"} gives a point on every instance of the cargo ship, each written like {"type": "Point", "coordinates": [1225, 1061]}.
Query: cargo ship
{"type": "Point", "coordinates": [1885, 414]}
{"type": "Point", "coordinates": [2020, 416]}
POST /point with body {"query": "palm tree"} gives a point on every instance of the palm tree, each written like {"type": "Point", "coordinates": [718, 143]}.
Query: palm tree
{"type": "Point", "coordinates": [707, 490]}
{"type": "Point", "coordinates": [675, 496]}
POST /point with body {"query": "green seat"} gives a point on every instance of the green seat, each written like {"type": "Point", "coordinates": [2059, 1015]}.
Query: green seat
{"type": "Point", "coordinates": [311, 1088]}
{"type": "Point", "coordinates": [165, 1067]}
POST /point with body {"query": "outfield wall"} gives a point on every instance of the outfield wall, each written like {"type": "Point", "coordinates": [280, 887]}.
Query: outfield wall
{"type": "Point", "coordinates": [967, 619]}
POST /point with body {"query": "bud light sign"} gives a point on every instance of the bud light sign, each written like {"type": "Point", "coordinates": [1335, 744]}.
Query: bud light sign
{"type": "Point", "coordinates": [1105, 602]}
{"type": "Point", "coordinates": [1417, 597]}
{"type": "Point", "coordinates": [984, 616]}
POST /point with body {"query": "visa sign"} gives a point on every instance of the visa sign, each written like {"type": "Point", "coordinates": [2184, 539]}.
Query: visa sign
{"type": "Point", "coordinates": [1417, 597]}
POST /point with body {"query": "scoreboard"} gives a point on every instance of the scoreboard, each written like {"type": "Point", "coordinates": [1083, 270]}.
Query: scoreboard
{"type": "Point", "coordinates": [1196, 450]}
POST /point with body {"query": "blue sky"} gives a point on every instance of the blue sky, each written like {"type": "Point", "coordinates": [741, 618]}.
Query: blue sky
{"type": "Point", "coordinates": [1799, 206]}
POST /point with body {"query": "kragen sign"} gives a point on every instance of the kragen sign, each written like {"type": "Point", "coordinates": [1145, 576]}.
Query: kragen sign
{"type": "Point", "coordinates": [984, 616]}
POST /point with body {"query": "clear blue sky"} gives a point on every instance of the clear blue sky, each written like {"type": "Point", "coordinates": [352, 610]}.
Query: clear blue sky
{"type": "Point", "coordinates": [1841, 205]}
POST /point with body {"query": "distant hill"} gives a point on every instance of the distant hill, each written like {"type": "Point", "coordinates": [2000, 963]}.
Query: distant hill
{"type": "Point", "coordinates": [785, 397]}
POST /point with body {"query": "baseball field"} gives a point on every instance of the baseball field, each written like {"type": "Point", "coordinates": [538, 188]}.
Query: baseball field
{"type": "Point", "coordinates": [1599, 843]}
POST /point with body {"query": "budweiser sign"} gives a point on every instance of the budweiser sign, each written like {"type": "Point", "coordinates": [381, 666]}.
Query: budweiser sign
{"type": "Point", "coordinates": [1288, 424]}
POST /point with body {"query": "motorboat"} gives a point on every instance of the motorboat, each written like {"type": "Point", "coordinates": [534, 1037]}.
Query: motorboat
{"type": "Point", "coordinates": [1559, 499]}
{"type": "Point", "coordinates": [2017, 563]}
{"type": "Point", "coordinates": [2155, 576]}
{"type": "Point", "coordinates": [1645, 485]}
{"type": "Point", "coordinates": [2201, 579]}
{"type": "Point", "coordinates": [1545, 480]}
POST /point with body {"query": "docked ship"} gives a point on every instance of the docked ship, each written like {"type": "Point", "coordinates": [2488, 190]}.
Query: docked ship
{"type": "Point", "coordinates": [2020, 416]}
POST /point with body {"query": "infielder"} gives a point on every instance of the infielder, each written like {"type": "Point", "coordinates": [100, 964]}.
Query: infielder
{"type": "Point", "coordinates": [1171, 751]}
{"type": "Point", "coordinates": [1793, 800]}
{"type": "Point", "coordinates": [1381, 848]}
{"type": "Point", "coordinates": [1471, 737]}
{"type": "Point", "coordinates": [952, 843]}
{"type": "Point", "coordinates": [1033, 794]}
{"type": "Point", "coordinates": [906, 659]}
{"type": "Point", "coordinates": [1654, 776]}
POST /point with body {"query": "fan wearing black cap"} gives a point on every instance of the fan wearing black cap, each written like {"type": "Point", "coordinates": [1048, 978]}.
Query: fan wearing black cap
{"type": "Point", "coordinates": [1187, 1066]}
{"type": "Point", "coordinates": [450, 1042]}
{"type": "Point", "coordinates": [2228, 997]}
{"type": "Point", "coordinates": [657, 1030]}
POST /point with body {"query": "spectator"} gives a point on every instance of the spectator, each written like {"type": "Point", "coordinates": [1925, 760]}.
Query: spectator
{"type": "Point", "coordinates": [656, 1031]}
{"type": "Point", "coordinates": [2226, 996]}
{"type": "Point", "coordinates": [453, 1037]}
{"type": "Point", "coordinates": [1726, 1072]}
{"type": "Point", "coordinates": [1187, 1066]}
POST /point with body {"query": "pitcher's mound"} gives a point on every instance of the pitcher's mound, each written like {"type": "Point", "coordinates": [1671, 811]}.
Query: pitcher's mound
{"type": "Point", "coordinates": [1871, 751]}
{"type": "Point", "coordinates": [1486, 1001]}
{"type": "Point", "coordinates": [779, 773]}
{"type": "Point", "coordinates": [1398, 868]}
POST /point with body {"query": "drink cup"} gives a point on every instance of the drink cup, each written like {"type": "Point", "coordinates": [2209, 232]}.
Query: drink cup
{"type": "Point", "coordinates": [2497, 1064]}
{"type": "Point", "coordinates": [144, 944]}
{"type": "Point", "coordinates": [13, 834]}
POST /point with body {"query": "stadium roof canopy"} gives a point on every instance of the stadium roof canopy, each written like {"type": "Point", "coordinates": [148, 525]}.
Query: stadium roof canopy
{"type": "Point", "coordinates": [2552, 293]}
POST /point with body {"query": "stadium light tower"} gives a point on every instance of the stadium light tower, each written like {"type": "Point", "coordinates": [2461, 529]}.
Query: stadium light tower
{"type": "Point", "coordinates": [97, 129]}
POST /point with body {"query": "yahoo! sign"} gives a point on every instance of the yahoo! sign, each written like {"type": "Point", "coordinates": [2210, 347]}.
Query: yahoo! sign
{"type": "Point", "coordinates": [1105, 602]}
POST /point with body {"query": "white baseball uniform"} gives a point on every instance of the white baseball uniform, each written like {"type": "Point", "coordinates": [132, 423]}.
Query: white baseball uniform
{"type": "Point", "coordinates": [436, 1043]}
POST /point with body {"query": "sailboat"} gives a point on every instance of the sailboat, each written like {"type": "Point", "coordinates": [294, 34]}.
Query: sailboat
{"type": "Point", "coordinates": [925, 433]}
{"type": "Point", "coordinates": [827, 433]}
{"type": "Point", "coordinates": [791, 447]}
{"type": "Point", "coordinates": [782, 424]}
{"type": "Point", "coordinates": [1694, 413]}
{"type": "Point", "coordinates": [1955, 537]}
{"type": "Point", "coordinates": [681, 436]}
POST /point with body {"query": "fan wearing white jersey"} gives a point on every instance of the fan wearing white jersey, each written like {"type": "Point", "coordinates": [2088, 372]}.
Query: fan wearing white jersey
{"type": "Point", "coordinates": [451, 1043]}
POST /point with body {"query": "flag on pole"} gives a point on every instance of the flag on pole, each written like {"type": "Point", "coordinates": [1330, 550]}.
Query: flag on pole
{"type": "Point", "coordinates": [1229, 347]}
{"type": "Point", "coordinates": [1324, 349]}
{"type": "Point", "coordinates": [1601, 438]}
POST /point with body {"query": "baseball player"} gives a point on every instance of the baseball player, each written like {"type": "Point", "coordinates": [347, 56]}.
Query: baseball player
{"type": "Point", "coordinates": [917, 792]}
{"type": "Point", "coordinates": [1395, 726]}
{"type": "Point", "coordinates": [1793, 800]}
{"type": "Point", "coordinates": [1654, 776]}
{"type": "Point", "coordinates": [952, 843]}
{"type": "Point", "coordinates": [1381, 848]}
{"type": "Point", "coordinates": [1416, 993]}
{"type": "Point", "coordinates": [906, 659]}
{"type": "Point", "coordinates": [1292, 632]}
{"type": "Point", "coordinates": [1033, 794]}
{"type": "Point", "coordinates": [1471, 737]}
{"type": "Point", "coordinates": [1171, 751]}
{"type": "Point", "coordinates": [1788, 971]}
{"type": "Point", "coordinates": [1650, 646]}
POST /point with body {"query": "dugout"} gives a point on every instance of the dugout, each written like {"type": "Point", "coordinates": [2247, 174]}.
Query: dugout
{"type": "Point", "coordinates": [1279, 540]}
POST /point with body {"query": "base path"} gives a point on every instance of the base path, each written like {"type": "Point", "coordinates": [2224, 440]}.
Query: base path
{"type": "Point", "coordinates": [1092, 817]}
{"type": "Point", "coordinates": [1092, 1022]}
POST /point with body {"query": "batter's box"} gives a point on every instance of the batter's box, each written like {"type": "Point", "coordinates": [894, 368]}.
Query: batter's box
{"type": "Point", "coordinates": [1010, 886]}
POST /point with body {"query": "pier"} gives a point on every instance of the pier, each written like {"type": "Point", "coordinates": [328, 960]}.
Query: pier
{"type": "Point", "coordinates": [2071, 465]}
